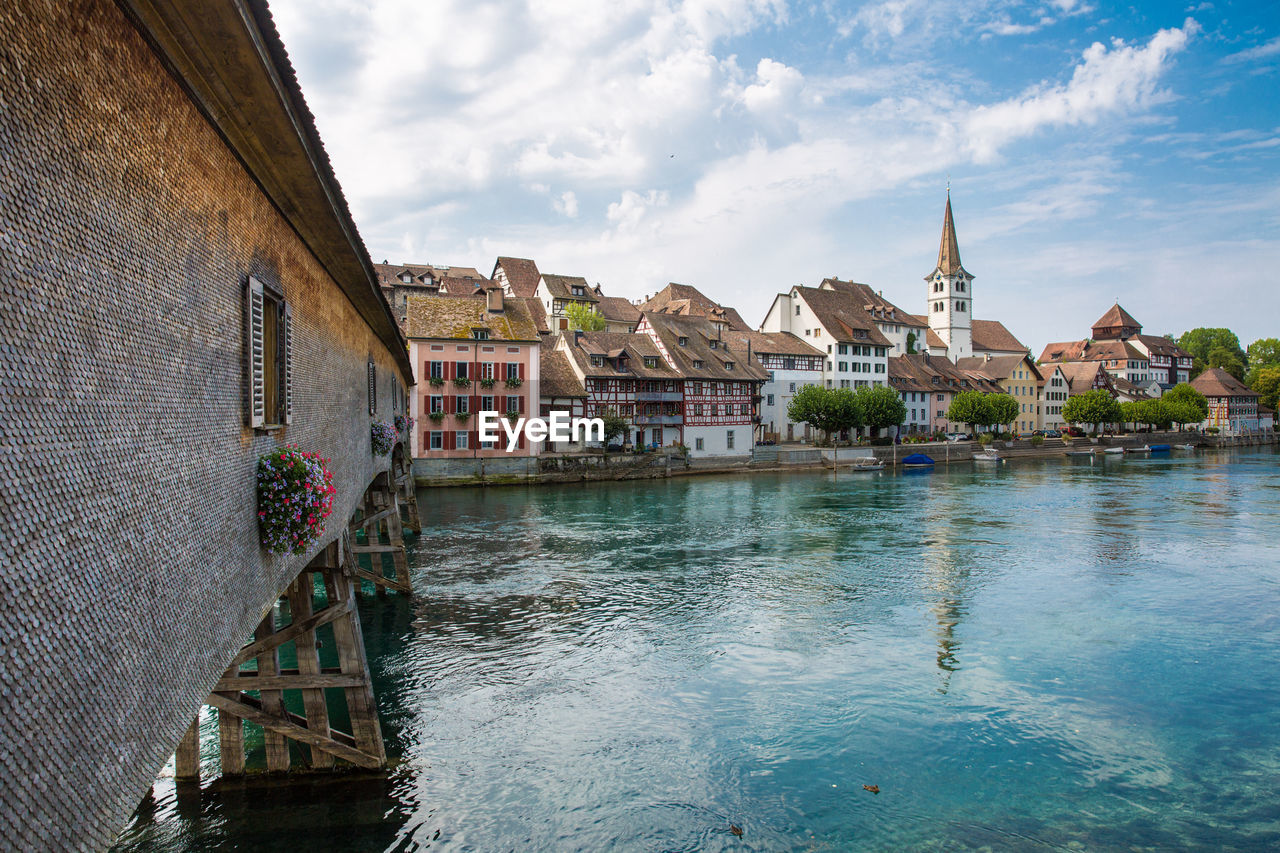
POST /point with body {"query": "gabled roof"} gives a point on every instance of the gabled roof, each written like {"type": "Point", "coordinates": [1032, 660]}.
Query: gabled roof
{"type": "Point", "coordinates": [1108, 350]}
{"type": "Point", "coordinates": [1216, 382]}
{"type": "Point", "coordinates": [609, 346]}
{"type": "Point", "coordinates": [618, 309]}
{"type": "Point", "coordinates": [521, 275]}
{"type": "Point", "coordinates": [687, 300]}
{"type": "Point", "coordinates": [455, 317]}
{"type": "Point", "coordinates": [841, 315]}
{"type": "Point", "coordinates": [389, 274]}
{"type": "Point", "coordinates": [561, 287]}
{"type": "Point", "coordinates": [698, 333]}
{"type": "Point", "coordinates": [1160, 345]}
{"type": "Point", "coordinates": [779, 343]}
{"type": "Point", "coordinates": [992, 336]}
{"type": "Point", "coordinates": [923, 372]}
{"type": "Point", "coordinates": [1081, 375]}
{"type": "Point", "coordinates": [1064, 351]}
{"type": "Point", "coordinates": [873, 302]}
{"type": "Point", "coordinates": [556, 377]}
{"type": "Point", "coordinates": [998, 367]}
{"type": "Point", "coordinates": [1117, 317]}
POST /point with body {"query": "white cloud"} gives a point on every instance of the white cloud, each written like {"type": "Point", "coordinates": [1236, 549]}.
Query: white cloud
{"type": "Point", "coordinates": [1107, 81]}
{"type": "Point", "coordinates": [777, 85]}
{"type": "Point", "coordinates": [567, 204]}
{"type": "Point", "coordinates": [1262, 51]}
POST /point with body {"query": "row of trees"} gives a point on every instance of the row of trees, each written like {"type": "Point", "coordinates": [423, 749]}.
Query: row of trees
{"type": "Point", "coordinates": [834, 410]}
{"type": "Point", "coordinates": [983, 410]}
{"type": "Point", "coordinates": [1180, 405]}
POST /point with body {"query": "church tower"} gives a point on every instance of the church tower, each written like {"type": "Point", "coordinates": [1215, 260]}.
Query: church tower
{"type": "Point", "coordinates": [951, 294]}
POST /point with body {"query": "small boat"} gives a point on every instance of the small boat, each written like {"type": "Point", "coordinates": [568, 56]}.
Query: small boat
{"type": "Point", "coordinates": [1079, 453]}
{"type": "Point", "coordinates": [917, 460]}
{"type": "Point", "coordinates": [866, 463]}
{"type": "Point", "coordinates": [1114, 450]}
{"type": "Point", "coordinates": [1185, 446]}
{"type": "Point", "coordinates": [1143, 449]}
{"type": "Point", "coordinates": [1160, 448]}
{"type": "Point", "coordinates": [987, 455]}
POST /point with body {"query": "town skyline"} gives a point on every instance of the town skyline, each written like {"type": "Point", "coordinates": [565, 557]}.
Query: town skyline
{"type": "Point", "coordinates": [747, 147]}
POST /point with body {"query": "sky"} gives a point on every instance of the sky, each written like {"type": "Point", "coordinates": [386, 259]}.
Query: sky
{"type": "Point", "coordinates": [1094, 151]}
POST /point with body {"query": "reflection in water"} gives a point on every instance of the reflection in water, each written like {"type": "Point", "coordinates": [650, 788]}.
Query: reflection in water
{"type": "Point", "coordinates": [1045, 655]}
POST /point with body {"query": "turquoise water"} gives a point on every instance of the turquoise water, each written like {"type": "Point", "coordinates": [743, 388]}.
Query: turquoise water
{"type": "Point", "coordinates": [1046, 655]}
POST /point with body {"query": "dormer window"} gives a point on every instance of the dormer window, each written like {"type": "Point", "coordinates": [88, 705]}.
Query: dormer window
{"type": "Point", "coordinates": [650, 361]}
{"type": "Point", "coordinates": [683, 341]}
{"type": "Point", "coordinates": [407, 278]}
{"type": "Point", "coordinates": [728, 365]}
{"type": "Point", "coordinates": [715, 344]}
{"type": "Point", "coordinates": [597, 361]}
{"type": "Point", "coordinates": [479, 334]}
{"type": "Point", "coordinates": [577, 291]}
{"type": "Point", "coordinates": [697, 363]}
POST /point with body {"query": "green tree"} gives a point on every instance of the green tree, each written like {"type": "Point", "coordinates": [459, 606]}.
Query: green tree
{"type": "Point", "coordinates": [1095, 407]}
{"type": "Point", "coordinates": [1200, 342]}
{"type": "Point", "coordinates": [911, 343]}
{"type": "Point", "coordinates": [1228, 361]}
{"type": "Point", "coordinates": [1264, 352]}
{"type": "Point", "coordinates": [1266, 381]}
{"type": "Point", "coordinates": [1185, 404]}
{"type": "Point", "coordinates": [828, 410]}
{"type": "Point", "coordinates": [1133, 411]}
{"type": "Point", "coordinates": [881, 407]}
{"type": "Point", "coordinates": [614, 426]}
{"type": "Point", "coordinates": [1004, 409]}
{"type": "Point", "coordinates": [584, 317]}
{"type": "Point", "coordinates": [1157, 413]}
{"type": "Point", "coordinates": [970, 407]}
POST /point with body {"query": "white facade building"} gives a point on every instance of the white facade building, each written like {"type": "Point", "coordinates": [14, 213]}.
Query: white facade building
{"type": "Point", "coordinates": [950, 289]}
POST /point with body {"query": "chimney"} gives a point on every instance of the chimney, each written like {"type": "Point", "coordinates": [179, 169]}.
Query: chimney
{"type": "Point", "coordinates": [926, 358]}
{"type": "Point", "coordinates": [986, 356]}
{"type": "Point", "coordinates": [494, 297]}
{"type": "Point", "coordinates": [577, 337]}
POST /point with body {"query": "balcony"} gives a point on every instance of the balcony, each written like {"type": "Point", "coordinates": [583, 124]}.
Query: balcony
{"type": "Point", "coordinates": [658, 420]}
{"type": "Point", "coordinates": [659, 396]}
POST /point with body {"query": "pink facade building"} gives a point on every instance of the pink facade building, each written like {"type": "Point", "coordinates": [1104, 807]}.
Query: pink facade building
{"type": "Point", "coordinates": [470, 354]}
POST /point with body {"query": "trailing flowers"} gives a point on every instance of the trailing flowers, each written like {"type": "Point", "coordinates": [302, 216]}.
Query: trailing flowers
{"type": "Point", "coordinates": [295, 496]}
{"type": "Point", "coordinates": [383, 437]}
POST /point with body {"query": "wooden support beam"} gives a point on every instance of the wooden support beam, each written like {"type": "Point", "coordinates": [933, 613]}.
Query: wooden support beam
{"type": "Point", "coordinates": [283, 728]}
{"type": "Point", "coordinates": [351, 655]}
{"type": "Point", "coordinates": [230, 739]}
{"type": "Point", "coordinates": [187, 758]}
{"type": "Point", "coordinates": [382, 581]}
{"type": "Point", "coordinates": [376, 549]}
{"type": "Point", "coordinates": [272, 700]}
{"type": "Point", "coordinates": [279, 638]}
{"type": "Point", "coordinates": [273, 683]}
{"type": "Point", "coordinates": [301, 601]}
{"type": "Point", "coordinates": [362, 523]}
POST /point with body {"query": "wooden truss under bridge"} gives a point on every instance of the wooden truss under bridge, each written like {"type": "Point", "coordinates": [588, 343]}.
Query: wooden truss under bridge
{"type": "Point", "coordinates": [322, 595]}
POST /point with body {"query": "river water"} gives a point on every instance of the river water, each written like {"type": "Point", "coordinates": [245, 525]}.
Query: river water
{"type": "Point", "coordinates": [1052, 654]}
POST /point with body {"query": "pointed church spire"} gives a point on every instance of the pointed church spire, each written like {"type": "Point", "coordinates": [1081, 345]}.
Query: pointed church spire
{"type": "Point", "coordinates": [949, 249]}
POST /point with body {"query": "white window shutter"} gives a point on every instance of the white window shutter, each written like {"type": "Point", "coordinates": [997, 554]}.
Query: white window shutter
{"type": "Point", "coordinates": [254, 311]}
{"type": "Point", "coordinates": [373, 388]}
{"type": "Point", "coordinates": [288, 365]}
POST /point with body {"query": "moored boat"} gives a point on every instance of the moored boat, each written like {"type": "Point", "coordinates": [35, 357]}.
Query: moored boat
{"type": "Point", "coordinates": [987, 455]}
{"type": "Point", "coordinates": [1080, 452]}
{"type": "Point", "coordinates": [1161, 448]}
{"type": "Point", "coordinates": [1143, 449]}
{"type": "Point", "coordinates": [917, 460]}
{"type": "Point", "coordinates": [1114, 450]}
{"type": "Point", "coordinates": [866, 463]}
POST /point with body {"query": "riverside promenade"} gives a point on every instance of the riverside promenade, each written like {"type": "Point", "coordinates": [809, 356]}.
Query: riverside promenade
{"type": "Point", "coordinates": [582, 467]}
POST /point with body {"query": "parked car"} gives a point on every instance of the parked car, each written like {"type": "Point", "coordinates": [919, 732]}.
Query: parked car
{"type": "Point", "coordinates": [958, 436]}
{"type": "Point", "coordinates": [1052, 433]}
{"type": "Point", "coordinates": [1075, 432]}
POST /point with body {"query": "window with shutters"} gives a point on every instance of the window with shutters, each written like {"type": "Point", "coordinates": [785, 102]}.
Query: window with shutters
{"type": "Point", "coordinates": [269, 337]}
{"type": "Point", "coordinates": [373, 388]}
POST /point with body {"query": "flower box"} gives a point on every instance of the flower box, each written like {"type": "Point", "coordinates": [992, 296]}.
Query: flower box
{"type": "Point", "coordinates": [462, 382]}
{"type": "Point", "coordinates": [295, 496]}
{"type": "Point", "coordinates": [382, 437]}
{"type": "Point", "coordinates": [514, 383]}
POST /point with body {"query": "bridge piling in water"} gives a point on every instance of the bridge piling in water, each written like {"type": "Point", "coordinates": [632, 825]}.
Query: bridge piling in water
{"type": "Point", "coordinates": [379, 519]}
